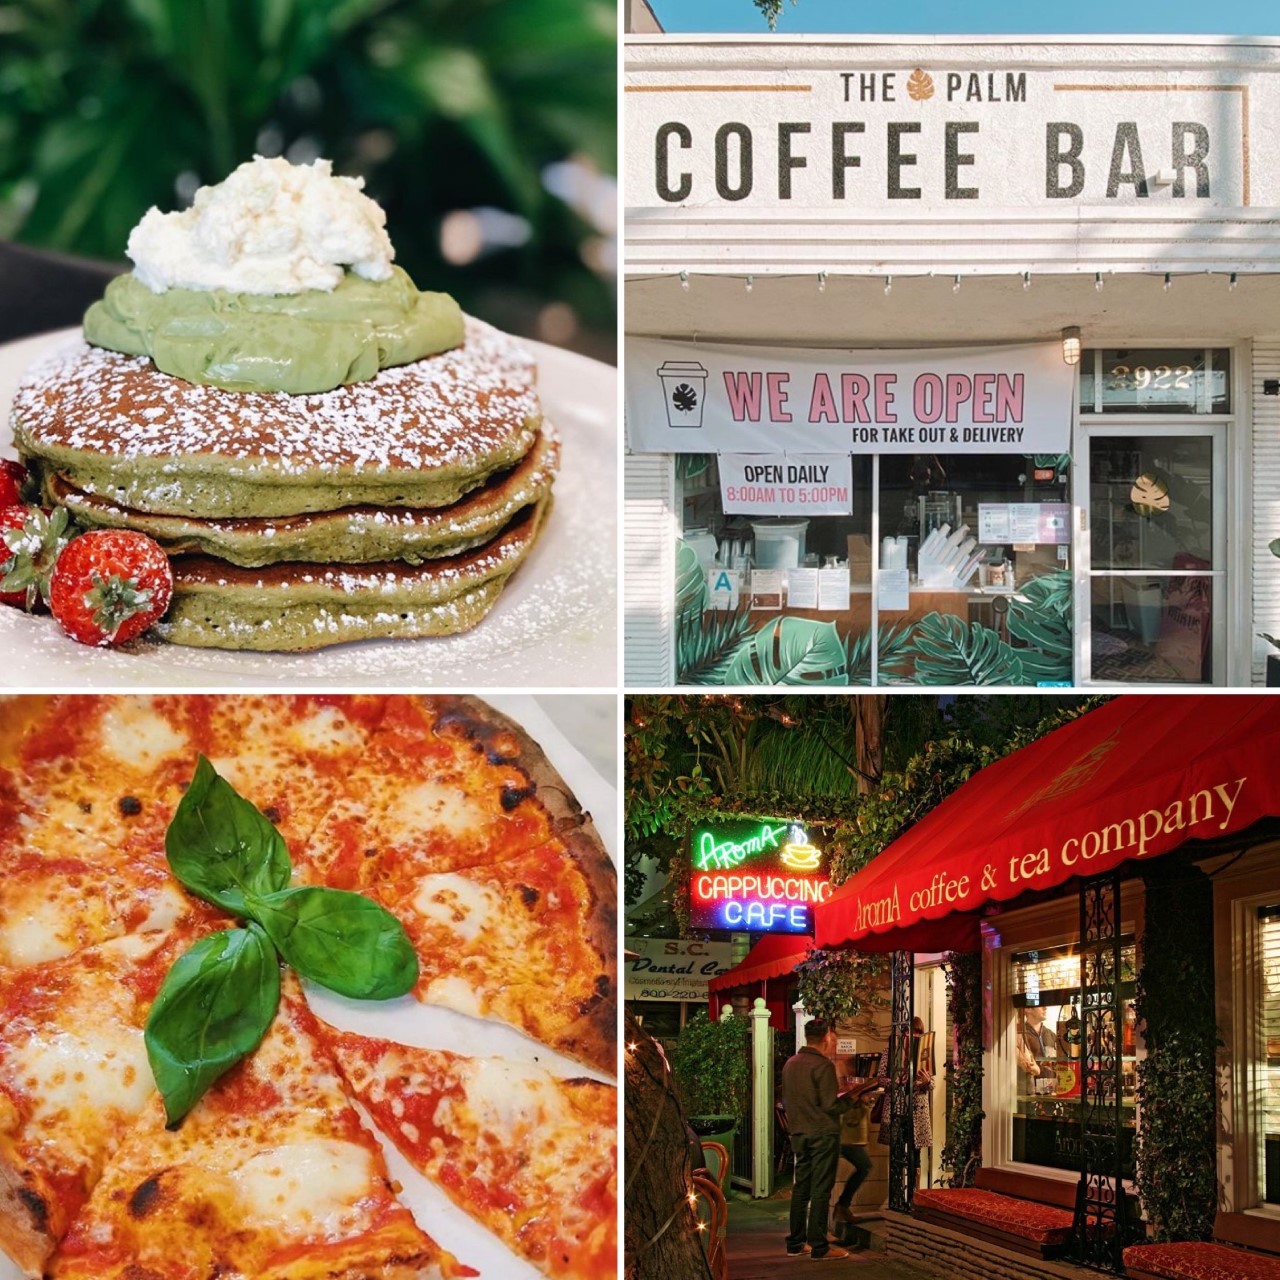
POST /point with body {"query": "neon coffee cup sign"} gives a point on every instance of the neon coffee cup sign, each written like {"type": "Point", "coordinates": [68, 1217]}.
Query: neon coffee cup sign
{"type": "Point", "coordinates": [760, 876]}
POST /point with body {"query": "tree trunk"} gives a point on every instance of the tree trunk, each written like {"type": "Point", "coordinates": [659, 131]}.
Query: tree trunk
{"type": "Point", "coordinates": [662, 1238]}
{"type": "Point", "coordinates": [869, 711]}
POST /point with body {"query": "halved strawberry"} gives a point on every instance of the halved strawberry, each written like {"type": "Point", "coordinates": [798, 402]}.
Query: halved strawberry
{"type": "Point", "coordinates": [13, 476]}
{"type": "Point", "coordinates": [30, 542]}
{"type": "Point", "coordinates": [110, 586]}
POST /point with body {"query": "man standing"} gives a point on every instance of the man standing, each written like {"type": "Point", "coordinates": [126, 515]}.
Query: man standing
{"type": "Point", "coordinates": [813, 1119]}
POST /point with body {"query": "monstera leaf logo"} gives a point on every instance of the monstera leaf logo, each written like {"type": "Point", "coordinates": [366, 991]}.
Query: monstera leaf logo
{"type": "Point", "coordinates": [920, 85]}
{"type": "Point", "coordinates": [685, 398]}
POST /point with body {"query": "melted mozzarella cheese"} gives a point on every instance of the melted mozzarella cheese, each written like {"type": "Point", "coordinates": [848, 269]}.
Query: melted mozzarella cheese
{"type": "Point", "coordinates": [66, 1072]}
{"type": "Point", "coordinates": [136, 734]}
{"type": "Point", "coordinates": [311, 1188]}
{"type": "Point", "coordinates": [505, 1096]}
{"type": "Point", "coordinates": [326, 729]}
{"type": "Point", "coordinates": [457, 903]}
{"type": "Point", "coordinates": [33, 931]}
{"type": "Point", "coordinates": [165, 907]}
{"type": "Point", "coordinates": [430, 807]}
{"type": "Point", "coordinates": [455, 993]}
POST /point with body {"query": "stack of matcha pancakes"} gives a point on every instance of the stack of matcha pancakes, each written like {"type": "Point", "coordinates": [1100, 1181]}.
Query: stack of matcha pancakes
{"type": "Point", "coordinates": [322, 465]}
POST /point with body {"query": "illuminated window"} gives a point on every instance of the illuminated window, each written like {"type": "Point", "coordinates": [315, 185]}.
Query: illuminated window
{"type": "Point", "coordinates": [1047, 1033]}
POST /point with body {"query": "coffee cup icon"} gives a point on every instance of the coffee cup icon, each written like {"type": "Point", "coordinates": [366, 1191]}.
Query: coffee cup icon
{"type": "Point", "coordinates": [684, 383]}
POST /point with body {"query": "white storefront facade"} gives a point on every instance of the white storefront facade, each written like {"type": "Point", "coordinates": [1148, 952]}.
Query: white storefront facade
{"type": "Point", "coordinates": [952, 361]}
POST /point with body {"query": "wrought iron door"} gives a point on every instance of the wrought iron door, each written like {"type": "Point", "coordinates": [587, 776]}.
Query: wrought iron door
{"type": "Point", "coordinates": [901, 1091]}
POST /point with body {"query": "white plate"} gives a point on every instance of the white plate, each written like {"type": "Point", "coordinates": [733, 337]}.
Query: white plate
{"type": "Point", "coordinates": [408, 1022]}
{"type": "Point", "coordinates": [554, 625]}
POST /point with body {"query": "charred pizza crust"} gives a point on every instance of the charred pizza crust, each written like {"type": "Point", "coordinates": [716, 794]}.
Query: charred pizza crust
{"type": "Point", "coordinates": [592, 1035]}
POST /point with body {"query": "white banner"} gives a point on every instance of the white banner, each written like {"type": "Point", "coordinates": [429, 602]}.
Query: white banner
{"type": "Point", "coordinates": [674, 968]}
{"type": "Point", "coordinates": [786, 484]}
{"type": "Point", "coordinates": [683, 398]}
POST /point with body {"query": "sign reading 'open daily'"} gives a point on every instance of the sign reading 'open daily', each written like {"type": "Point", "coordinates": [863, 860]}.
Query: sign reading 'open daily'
{"type": "Point", "coordinates": [699, 398]}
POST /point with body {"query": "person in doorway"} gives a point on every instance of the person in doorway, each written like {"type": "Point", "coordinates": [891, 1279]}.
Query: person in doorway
{"type": "Point", "coordinates": [809, 1094]}
{"type": "Point", "coordinates": [854, 1138]}
{"type": "Point", "coordinates": [921, 1100]}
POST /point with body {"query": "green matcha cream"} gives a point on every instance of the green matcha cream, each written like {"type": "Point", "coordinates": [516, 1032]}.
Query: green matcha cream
{"type": "Point", "coordinates": [295, 342]}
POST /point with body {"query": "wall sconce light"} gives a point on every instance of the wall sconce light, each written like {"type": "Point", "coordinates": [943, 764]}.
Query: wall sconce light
{"type": "Point", "coordinates": [1071, 344]}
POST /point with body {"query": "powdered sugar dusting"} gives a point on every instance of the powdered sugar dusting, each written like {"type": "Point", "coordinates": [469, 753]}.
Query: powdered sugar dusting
{"type": "Point", "coordinates": [451, 411]}
{"type": "Point", "coordinates": [556, 624]}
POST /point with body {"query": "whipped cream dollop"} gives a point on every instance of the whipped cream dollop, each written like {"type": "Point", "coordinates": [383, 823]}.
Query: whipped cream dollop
{"type": "Point", "coordinates": [270, 228]}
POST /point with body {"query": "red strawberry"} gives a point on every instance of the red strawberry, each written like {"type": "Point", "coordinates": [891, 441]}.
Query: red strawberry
{"type": "Point", "coordinates": [30, 542]}
{"type": "Point", "coordinates": [110, 586]}
{"type": "Point", "coordinates": [13, 475]}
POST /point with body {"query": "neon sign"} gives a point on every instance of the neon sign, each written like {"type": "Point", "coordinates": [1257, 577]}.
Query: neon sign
{"type": "Point", "coordinates": [761, 876]}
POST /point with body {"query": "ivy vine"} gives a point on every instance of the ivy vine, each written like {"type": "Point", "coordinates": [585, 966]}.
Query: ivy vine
{"type": "Point", "coordinates": [1177, 1095]}
{"type": "Point", "coordinates": [962, 1153]}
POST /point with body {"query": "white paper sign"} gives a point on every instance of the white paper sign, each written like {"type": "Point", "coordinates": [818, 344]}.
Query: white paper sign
{"type": "Point", "coordinates": [895, 589]}
{"type": "Point", "coordinates": [833, 589]}
{"type": "Point", "coordinates": [802, 588]}
{"type": "Point", "coordinates": [766, 588]}
{"type": "Point", "coordinates": [786, 484]}
{"type": "Point", "coordinates": [714, 398]}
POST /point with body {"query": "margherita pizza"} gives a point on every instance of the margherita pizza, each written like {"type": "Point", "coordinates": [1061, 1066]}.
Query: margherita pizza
{"type": "Point", "coordinates": [438, 809]}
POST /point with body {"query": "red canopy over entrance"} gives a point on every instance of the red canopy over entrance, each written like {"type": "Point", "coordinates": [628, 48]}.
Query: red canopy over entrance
{"type": "Point", "coordinates": [1132, 780]}
{"type": "Point", "coordinates": [774, 956]}
{"type": "Point", "coordinates": [771, 957]}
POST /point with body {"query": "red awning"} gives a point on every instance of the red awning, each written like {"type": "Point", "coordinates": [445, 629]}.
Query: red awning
{"type": "Point", "coordinates": [771, 957]}
{"type": "Point", "coordinates": [1132, 780]}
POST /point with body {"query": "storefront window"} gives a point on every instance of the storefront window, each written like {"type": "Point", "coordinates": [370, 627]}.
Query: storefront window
{"type": "Point", "coordinates": [941, 569]}
{"type": "Point", "coordinates": [1048, 1039]}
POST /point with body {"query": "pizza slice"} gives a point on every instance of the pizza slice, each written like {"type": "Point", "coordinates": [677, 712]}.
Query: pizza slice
{"type": "Point", "coordinates": [530, 1156]}
{"type": "Point", "coordinates": [530, 943]}
{"type": "Point", "coordinates": [465, 831]}
{"type": "Point", "coordinates": [271, 1175]}
{"type": "Point", "coordinates": [73, 1076]}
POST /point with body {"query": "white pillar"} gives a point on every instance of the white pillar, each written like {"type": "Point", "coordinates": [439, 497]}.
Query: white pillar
{"type": "Point", "coordinates": [802, 1020]}
{"type": "Point", "coordinates": [762, 1101]}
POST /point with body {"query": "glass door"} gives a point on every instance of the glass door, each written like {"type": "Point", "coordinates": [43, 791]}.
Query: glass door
{"type": "Point", "coordinates": [1155, 538]}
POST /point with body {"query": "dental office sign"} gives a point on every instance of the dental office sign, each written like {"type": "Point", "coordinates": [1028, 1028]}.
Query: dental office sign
{"type": "Point", "coordinates": [759, 876]}
{"type": "Point", "coordinates": [712, 398]}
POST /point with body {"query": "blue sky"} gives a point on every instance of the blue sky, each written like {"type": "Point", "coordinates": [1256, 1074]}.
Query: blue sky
{"type": "Point", "coordinates": [953, 17]}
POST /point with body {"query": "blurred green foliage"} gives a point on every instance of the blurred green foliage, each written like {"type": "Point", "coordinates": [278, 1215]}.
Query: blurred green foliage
{"type": "Point", "coordinates": [110, 106]}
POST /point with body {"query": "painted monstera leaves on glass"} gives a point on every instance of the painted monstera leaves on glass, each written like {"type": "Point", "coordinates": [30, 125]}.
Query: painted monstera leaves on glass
{"type": "Point", "coordinates": [1032, 646]}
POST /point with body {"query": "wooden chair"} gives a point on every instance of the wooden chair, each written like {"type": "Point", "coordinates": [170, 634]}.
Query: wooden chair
{"type": "Point", "coordinates": [713, 1215]}
{"type": "Point", "coordinates": [785, 1154]}
{"type": "Point", "coordinates": [715, 1160]}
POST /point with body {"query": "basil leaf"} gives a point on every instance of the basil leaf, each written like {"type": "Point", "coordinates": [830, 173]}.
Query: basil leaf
{"type": "Point", "coordinates": [341, 940]}
{"type": "Point", "coordinates": [221, 847]}
{"type": "Point", "coordinates": [215, 1006]}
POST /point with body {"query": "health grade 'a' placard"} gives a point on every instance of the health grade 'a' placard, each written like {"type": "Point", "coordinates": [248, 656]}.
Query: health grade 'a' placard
{"type": "Point", "coordinates": [759, 874]}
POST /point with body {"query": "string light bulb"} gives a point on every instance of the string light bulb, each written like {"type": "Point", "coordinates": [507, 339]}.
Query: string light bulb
{"type": "Point", "coordinates": [1168, 281]}
{"type": "Point", "coordinates": [1231, 284]}
{"type": "Point", "coordinates": [1026, 279]}
{"type": "Point", "coordinates": [822, 282]}
{"type": "Point", "coordinates": [1097, 281]}
{"type": "Point", "coordinates": [888, 285]}
{"type": "Point", "coordinates": [684, 281]}
{"type": "Point", "coordinates": [751, 283]}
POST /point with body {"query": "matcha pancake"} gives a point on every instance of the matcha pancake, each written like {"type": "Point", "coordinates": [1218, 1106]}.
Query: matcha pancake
{"type": "Point", "coordinates": [297, 607]}
{"type": "Point", "coordinates": [354, 535]}
{"type": "Point", "coordinates": [416, 435]}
